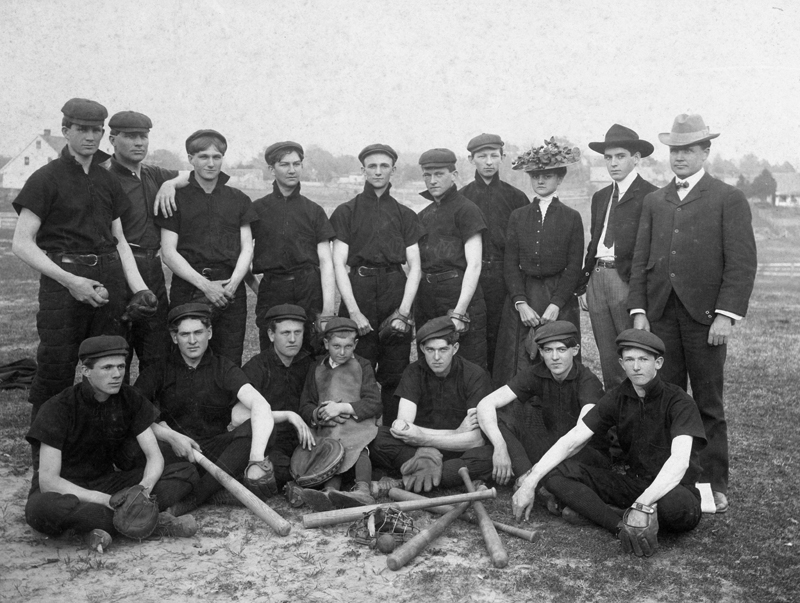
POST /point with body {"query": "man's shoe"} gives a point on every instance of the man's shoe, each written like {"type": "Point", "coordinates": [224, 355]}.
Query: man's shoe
{"type": "Point", "coordinates": [182, 507]}
{"type": "Point", "coordinates": [184, 526]}
{"type": "Point", "coordinates": [98, 540]}
{"type": "Point", "coordinates": [382, 487]}
{"type": "Point", "coordinates": [316, 499]}
{"type": "Point", "coordinates": [721, 501]}
{"type": "Point", "coordinates": [225, 498]}
{"type": "Point", "coordinates": [293, 494]}
{"type": "Point", "coordinates": [359, 496]}
{"type": "Point", "coordinates": [575, 518]}
{"type": "Point", "coordinates": [548, 499]}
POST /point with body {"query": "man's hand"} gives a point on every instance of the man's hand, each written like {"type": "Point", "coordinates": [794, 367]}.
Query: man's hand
{"type": "Point", "coordinates": [501, 466]}
{"type": "Point", "coordinates": [330, 409]}
{"type": "Point", "coordinates": [640, 322]}
{"type": "Point", "coordinates": [229, 289]}
{"type": "Point", "coordinates": [184, 446]}
{"type": "Point", "coordinates": [408, 433]}
{"type": "Point", "coordinates": [720, 330]}
{"type": "Point", "coordinates": [470, 422]}
{"type": "Point", "coordinates": [303, 432]}
{"type": "Point", "coordinates": [165, 199]}
{"type": "Point", "coordinates": [215, 293]}
{"type": "Point", "coordinates": [527, 315]}
{"type": "Point", "coordinates": [84, 290]}
{"type": "Point", "coordinates": [583, 302]}
{"type": "Point", "coordinates": [460, 325]}
{"type": "Point", "coordinates": [639, 531]}
{"type": "Point", "coordinates": [550, 314]}
{"type": "Point", "coordinates": [522, 501]}
{"type": "Point", "coordinates": [361, 322]}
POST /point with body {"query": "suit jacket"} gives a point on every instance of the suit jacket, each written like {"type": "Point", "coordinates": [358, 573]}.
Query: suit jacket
{"type": "Point", "coordinates": [626, 225]}
{"type": "Point", "coordinates": [703, 248]}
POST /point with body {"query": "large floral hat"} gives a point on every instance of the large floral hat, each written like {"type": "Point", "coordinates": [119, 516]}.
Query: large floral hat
{"type": "Point", "coordinates": [549, 156]}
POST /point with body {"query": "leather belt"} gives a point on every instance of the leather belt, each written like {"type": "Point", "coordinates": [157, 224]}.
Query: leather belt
{"type": "Point", "coordinates": [376, 270]}
{"type": "Point", "coordinates": [490, 263]}
{"type": "Point", "coordinates": [141, 252]}
{"type": "Point", "coordinates": [437, 277]}
{"type": "Point", "coordinates": [84, 259]}
{"type": "Point", "coordinates": [288, 276]}
{"type": "Point", "coordinates": [605, 264]}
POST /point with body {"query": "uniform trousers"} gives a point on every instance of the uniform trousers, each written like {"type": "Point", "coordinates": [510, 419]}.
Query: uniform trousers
{"type": "Point", "coordinates": [150, 339]}
{"type": "Point", "coordinates": [607, 296]}
{"type": "Point", "coordinates": [494, 295]}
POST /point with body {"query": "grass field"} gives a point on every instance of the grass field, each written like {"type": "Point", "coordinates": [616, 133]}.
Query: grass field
{"type": "Point", "coordinates": [748, 554]}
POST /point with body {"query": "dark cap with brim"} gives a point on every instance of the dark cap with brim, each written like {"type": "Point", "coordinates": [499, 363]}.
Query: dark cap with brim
{"type": "Point", "coordinates": [339, 324]}
{"type": "Point", "coordinates": [130, 121]}
{"type": "Point", "coordinates": [84, 112]}
{"type": "Point", "coordinates": [434, 158]}
{"type": "Point", "coordinates": [482, 141]}
{"type": "Point", "coordinates": [435, 328]}
{"type": "Point", "coordinates": [193, 310]}
{"type": "Point", "coordinates": [559, 330]}
{"type": "Point", "coordinates": [200, 133]}
{"type": "Point", "coordinates": [102, 346]}
{"type": "Point", "coordinates": [644, 340]}
{"type": "Point", "coordinates": [286, 144]}
{"type": "Point", "coordinates": [372, 149]}
{"type": "Point", "coordinates": [286, 312]}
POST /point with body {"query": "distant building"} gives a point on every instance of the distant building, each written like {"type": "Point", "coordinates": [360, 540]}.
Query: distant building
{"type": "Point", "coordinates": [39, 152]}
{"type": "Point", "coordinates": [787, 191]}
{"type": "Point", "coordinates": [251, 179]}
{"type": "Point", "coordinates": [351, 179]}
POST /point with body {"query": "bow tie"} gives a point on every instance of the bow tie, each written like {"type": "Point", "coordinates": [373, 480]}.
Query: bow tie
{"type": "Point", "coordinates": [679, 184]}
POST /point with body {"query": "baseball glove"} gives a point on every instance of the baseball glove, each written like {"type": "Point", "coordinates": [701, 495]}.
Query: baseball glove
{"type": "Point", "coordinates": [423, 471]}
{"type": "Point", "coordinates": [639, 530]}
{"type": "Point", "coordinates": [313, 467]}
{"type": "Point", "coordinates": [142, 306]}
{"type": "Point", "coordinates": [135, 513]}
{"type": "Point", "coordinates": [265, 486]}
{"type": "Point", "coordinates": [390, 334]}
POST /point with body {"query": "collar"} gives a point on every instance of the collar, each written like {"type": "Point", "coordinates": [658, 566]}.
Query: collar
{"type": "Point", "coordinates": [694, 178]}
{"type": "Point", "coordinates": [98, 157]}
{"type": "Point", "coordinates": [272, 354]}
{"type": "Point", "coordinates": [541, 370]}
{"type": "Point", "coordinates": [481, 183]}
{"type": "Point", "coordinates": [651, 390]}
{"type": "Point", "coordinates": [546, 200]}
{"type": "Point", "coordinates": [276, 190]}
{"type": "Point", "coordinates": [626, 182]}
{"type": "Point", "coordinates": [223, 178]}
{"type": "Point", "coordinates": [87, 393]}
{"type": "Point", "coordinates": [118, 168]}
{"type": "Point", "coordinates": [449, 194]}
{"type": "Point", "coordinates": [455, 367]}
{"type": "Point", "coordinates": [369, 192]}
{"type": "Point", "coordinates": [177, 358]}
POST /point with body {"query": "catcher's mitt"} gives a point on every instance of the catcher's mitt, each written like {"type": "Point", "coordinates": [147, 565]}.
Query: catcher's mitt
{"type": "Point", "coordinates": [135, 513]}
{"type": "Point", "coordinates": [142, 306]}
{"type": "Point", "coordinates": [390, 334]}
{"type": "Point", "coordinates": [265, 486]}
{"type": "Point", "coordinates": [639, 530]}
{"type": "Point", "coordinates": [313, 467]}
{"type": "Point", "coordinates": [383, 520]}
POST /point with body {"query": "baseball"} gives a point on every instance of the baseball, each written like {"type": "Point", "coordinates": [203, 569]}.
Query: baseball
{"type": "Point", "coordinates": [101, 291]}
{"type": "Point", "coordinates": [399, 425]}
{"type": "Point", "coordinates": [385, 543]}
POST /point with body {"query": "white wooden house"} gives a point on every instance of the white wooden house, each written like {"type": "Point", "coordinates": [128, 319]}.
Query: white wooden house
{"type": "Point", "coordinates": [787, 191]}
{"type": "Point", "coordinates": [39, 152]}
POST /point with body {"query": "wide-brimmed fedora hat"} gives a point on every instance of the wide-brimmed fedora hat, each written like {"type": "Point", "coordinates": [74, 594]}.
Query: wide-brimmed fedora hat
{"type": "Point", "coordinates": [687, 129]}
{"type": "Point", "coordinates": [620, 136]}
{"type": "Point", "coordinates": [549, 156]}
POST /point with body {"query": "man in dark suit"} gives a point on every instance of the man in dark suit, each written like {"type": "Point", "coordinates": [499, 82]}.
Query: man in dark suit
{"type": "Point", "coordinates": [603, 288]}
{"type": "Point", "coordinates": [693, 271]}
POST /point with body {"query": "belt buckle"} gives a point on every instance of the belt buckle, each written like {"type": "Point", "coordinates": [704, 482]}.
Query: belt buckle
{"type": "Point", "coordinates": [206, 272]}
{"type": "Point", "coordinates": [359, 273]}
{"type": "Point", "coordinates": [428, 277]}
{"type": "Point", "coordinates": [94, 258]}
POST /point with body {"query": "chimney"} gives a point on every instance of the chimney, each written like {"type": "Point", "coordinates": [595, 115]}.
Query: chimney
{"type": "Point", "coordinates": [47, 132]}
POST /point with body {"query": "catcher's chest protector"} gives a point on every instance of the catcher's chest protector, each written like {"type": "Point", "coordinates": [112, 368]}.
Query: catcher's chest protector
{"type": "Point", "coordinates": [343, 384]}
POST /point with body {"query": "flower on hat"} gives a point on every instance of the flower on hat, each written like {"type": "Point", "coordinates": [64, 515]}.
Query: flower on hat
{"type": "Point", "coordinates": [547, 157]}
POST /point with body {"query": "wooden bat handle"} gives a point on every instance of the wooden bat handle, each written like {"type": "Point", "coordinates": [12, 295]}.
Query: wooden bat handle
{"type": "Point", "coordinates": [417, 544]}
{"type": "Point", "coordinates": [398, 494]}
{"type": "Point", "coordinates": [329, 518]}
{"type": "Point", "coordinates": [247, 498]}
{"type": "Point", "coordinates": [494, 545]}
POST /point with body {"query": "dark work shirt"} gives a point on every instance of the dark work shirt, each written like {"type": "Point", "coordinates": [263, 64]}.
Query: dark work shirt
{"type": "Point", "coordinates": [87, 432]}
{"type": "Point", "coordinates": [534, 249]}
{"type": "Point", "coordinates": [280, 385]}
{"type": "Point", "coordinates": [447, 224]}
{"type": "Point", "coordinates": [647, 427]}
{"type": "Point", "coordinates": [76, 209]}
{"type": "Point", "coordinates": [288, 231]}
{"type": "Point", "coordinates": [209, 224]}
{"type": "Point", "coordinates": [443, 402]}
{"type": "Point", "coordinates": [377, 231]}
{"type": "Point", "coordinates": [137, 220]}
{"type": "Point", "coordinates": [496, 200]}
{"type": "Point", "coordinates": [196, 402]}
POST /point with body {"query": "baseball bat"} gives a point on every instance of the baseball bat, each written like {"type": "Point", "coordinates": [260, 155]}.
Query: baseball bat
{"type": "Point", "coordinates": [329, 518]}
{"type": "Point", "coordinates": [400, 495]}
{"type": "Point", "coordinates": [247, 498]}
{"type": "Point", "coordinates": [417, 544]}
{"type": "Point", "coordinates": [494, 546]}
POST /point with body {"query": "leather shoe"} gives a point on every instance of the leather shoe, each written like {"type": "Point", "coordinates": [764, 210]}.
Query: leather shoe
{"type": "Point", "coordinates": [575, 518]}
{"type": "Point", "coordinates": [721, 501]}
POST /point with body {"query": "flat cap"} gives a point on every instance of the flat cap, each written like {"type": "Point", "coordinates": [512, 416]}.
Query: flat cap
{"type": "Point", "coordinates": [286, 312]}
{"type": "Point", "coordinates": [481, 141]}
{"type": "Point", "coordinates": [644, 340]}
{"type": "Point", "coordinates": [130, 121]}
{"type": "Point", "coordinates": [437, 158]}
{"type": "Point", "coordinates": [194, 310]}
{"type": "Point", "coordinates": [339, 323]}
{"type": "Point", "coordinates": [558, 330]}
{"type": "Point", "coordinates": [103, 345]}
{"type": "Point", "coordinates": [435, 328]}
{"type": "Point", "coordinates": [200, 133]}
{"type": "Point", "coordinates": [371, 149]}
{"type": "Point", "coordinates": [286, 144]}
{"type": "Point", "coordinates": [84, 112]}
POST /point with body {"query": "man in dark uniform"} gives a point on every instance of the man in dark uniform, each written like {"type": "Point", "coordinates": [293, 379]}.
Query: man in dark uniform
{"type": "Point", "coordinates": [661, 432]}
{"type": "Point", "coordinates": [496, 199]}
{"type": "Point", "coordinates": [278, 373]}
{"type": "Point", "coordinates": [436, 431]}
{"type": "Point", "coordinates": [541, 403]}
{"type": "Point", "coordinates": [77, 437]}
{"type": "Point", "coordinates": [69, 230]}
{"type": "Point", "coordinates": [196, 391]}
{"type": "Point", "coordinates": [375, 235]}
{"type": "Point", "coordinates": [292, 245]}
{"type": "Point", "coordinates": [130, 137]}
{"type": "Point", "coordinates": [451, 249]}
{"type": "Point", "coordinates": [208, 243]}
{"type": "Point", "coordinates": [615, 220]}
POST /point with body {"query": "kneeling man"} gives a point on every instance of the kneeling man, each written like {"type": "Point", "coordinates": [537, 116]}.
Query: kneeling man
{"type": "Point", "coordinates": [661, 432]}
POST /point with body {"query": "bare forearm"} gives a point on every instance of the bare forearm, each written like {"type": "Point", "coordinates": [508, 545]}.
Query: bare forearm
{"type": "Point", "coordinates": [178, 264]}
{"type": "Point", "coordinates": [670, 476]}
{"type": "Point", "coordinates": [63, 486]}
{"type": "Point", "coordinates": [242, 266]}
{"type": "Point", "coordinates": [450, 439]}
{"type": "Point", "coordinates": [468, 286]}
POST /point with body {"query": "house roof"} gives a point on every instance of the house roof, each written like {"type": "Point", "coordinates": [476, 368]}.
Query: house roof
{"type": "Point", "coordinates": [788, 183]}
{"type": "Point", "coordinates": [57, 142]}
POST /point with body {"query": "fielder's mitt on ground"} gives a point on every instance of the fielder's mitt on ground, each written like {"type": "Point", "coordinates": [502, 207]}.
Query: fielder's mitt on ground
{"type": "Point", "coordinates": [135, 513]}
{"type": "Point", "coordinates": [639, 530]}
{"type": "Point", "coordinates": [391, 334]}
{"type": "Point", "coordinates": [265, 486]}
{"type": "Point", "coordinates": [142, 306]}
{"type": "Point", "coordinates": [313, 467]}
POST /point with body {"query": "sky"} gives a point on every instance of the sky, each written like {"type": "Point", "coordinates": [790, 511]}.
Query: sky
{"type": "Point", "coordinates": [412, 74]}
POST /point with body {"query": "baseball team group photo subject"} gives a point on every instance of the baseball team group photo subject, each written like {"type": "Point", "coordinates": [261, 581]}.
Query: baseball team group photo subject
{"type": "Point", "coordinates": [555, 370]}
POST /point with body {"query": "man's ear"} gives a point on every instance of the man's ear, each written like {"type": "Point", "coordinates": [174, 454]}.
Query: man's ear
{"type": "Point", "coordinates": [174, 337]}
{"type": "Point", "coordinates": [575, 350]}
{"type": "Point", "coordinates": [210, 332]}
{"type": "Point", "coordinates": [659, 363]}
{"type": "Point", "coordinates": [455, 348]}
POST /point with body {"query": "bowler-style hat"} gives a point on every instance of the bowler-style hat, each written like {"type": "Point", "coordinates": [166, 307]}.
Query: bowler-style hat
{"type": "Point", "coordinates": [192, 310]}
{"type": "Point", "coordinates": [435, 328]}
{"type": "Point", "coordinates": [338, 324]}
{"type": "Point", "coordinates": [483, 141]}
{"type": "Point", "coordinates": [687, 129]}
{"type": "Point", "coordinates": [435, 158]}
{"type": "Point", "coordinates": [643, 340]}
{"type": "Point", "coordinates": [558, 330]}
{"type": "Point", "coordinates": [278, 146]}
{"type": "Point", "coordinates": [286, 312]}
{"type": "Point", "coordinates": [130, 121]}
{"type": "Point", "coordinates": [84, 112]}
{"type": "Point", "coordinates": [377, 148]}
{"type": "Point", "coordinates": [620, 136]}
{"type": "Point", "coordinates": [102, 346]}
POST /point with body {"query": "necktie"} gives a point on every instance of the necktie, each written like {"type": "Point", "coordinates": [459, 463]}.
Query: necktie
{"type": "Point", "coordinates": [608, 240]}
{"type": "Point", "coordinates": [681, 184]}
